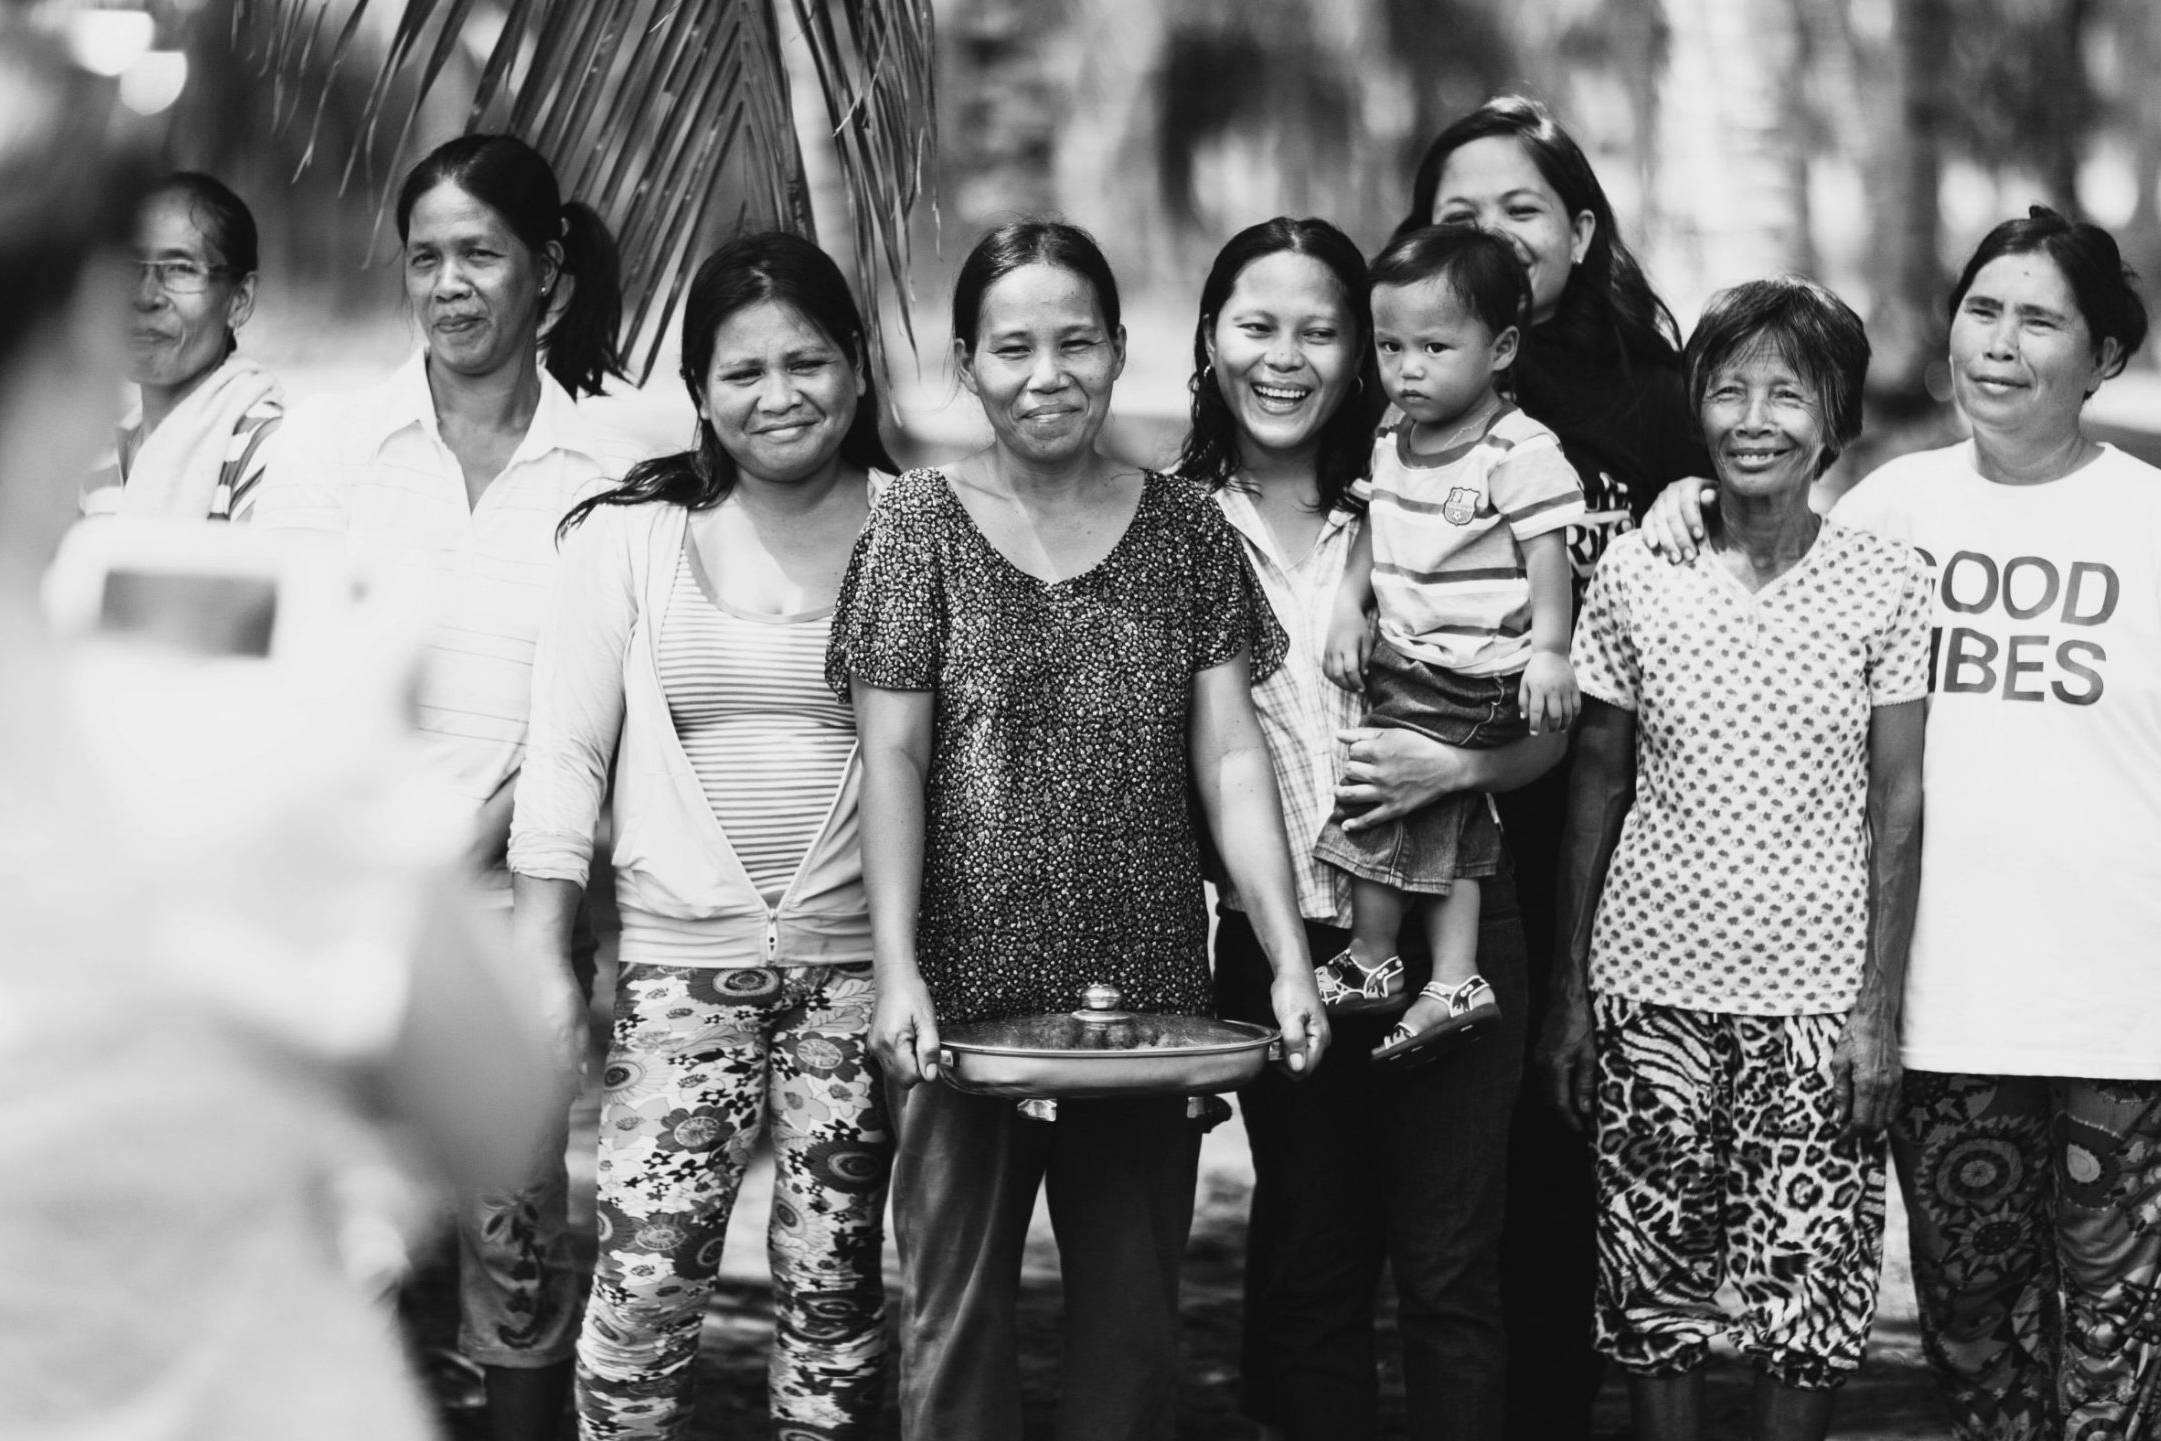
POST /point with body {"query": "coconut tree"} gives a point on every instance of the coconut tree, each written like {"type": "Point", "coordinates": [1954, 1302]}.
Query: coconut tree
{"type": "Point", "coordinates": [674, 118]}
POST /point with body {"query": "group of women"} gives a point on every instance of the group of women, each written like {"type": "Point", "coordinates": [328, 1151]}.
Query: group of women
{"type": "Point", "coordinates": [891, 752]}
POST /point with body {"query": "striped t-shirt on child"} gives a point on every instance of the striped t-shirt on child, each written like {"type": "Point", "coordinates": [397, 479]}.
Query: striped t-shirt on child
{"type": "Point", "coordinates": [1448, 528]}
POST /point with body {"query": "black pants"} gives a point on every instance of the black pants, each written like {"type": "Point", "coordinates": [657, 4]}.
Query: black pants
{"type": "Point", "coordinates": [1355, 1168]}
{"type": "Point", "coordinates": [1549, 1255]}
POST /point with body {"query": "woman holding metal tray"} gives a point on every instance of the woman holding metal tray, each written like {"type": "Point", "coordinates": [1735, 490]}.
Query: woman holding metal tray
{"type": "Point", "coordinates": [1050, 657]}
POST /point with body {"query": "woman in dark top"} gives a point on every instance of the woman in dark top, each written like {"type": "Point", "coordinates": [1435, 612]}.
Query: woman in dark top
{"type": "Point", "coordinates": [1048, 654]}
{"type": "Point", "coordinates": [1600, 366]}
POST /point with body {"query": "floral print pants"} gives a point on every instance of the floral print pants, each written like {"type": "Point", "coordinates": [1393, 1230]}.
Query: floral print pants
{"type": "Point", "coordinates": [2035, 1210]}
{"type": "Point", "coordinates": [701, 1061]}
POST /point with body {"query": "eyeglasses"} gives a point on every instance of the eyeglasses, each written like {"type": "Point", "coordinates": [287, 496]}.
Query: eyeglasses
{"type": "Point", "coordinates": [181, 277]}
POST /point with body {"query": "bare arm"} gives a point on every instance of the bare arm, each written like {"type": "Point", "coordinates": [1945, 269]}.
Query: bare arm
{"type": "Point", "coordinates": [1548, 695]}
{"type": "Point", "coordinates": [1865, 1066]}
{"type": "Point", "coordinates": [1602, 789]}
{"type": "Point", "coordinates": [1391, 772]}
{"type": "Point", "coordinates": [894, 727]}
{"type": "Point", "coordinates": [1350, 625]}
{"type": "Point", "coordinates": [1237, 786]}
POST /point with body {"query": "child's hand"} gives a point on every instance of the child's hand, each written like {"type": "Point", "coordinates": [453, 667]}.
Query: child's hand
{"type": "Point", "coordinates": [1350, 641]}
{"type": "Point", "coordinates": [1548, 695]}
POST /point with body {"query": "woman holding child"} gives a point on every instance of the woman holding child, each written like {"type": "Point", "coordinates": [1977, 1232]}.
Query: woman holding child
{"type": "Point", "coordinates": [1738, 889]}
{"type": "Point", "coordinates": [1049, 655]}
{"type": "Point", "coordinates": [1354, 1169]}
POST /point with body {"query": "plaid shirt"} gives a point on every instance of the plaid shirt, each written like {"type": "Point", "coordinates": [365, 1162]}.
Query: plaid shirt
{"type": "Point", "coordinates": [1301, 709]}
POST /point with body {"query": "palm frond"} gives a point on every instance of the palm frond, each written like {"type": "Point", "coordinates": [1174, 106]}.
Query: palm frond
{"type": "Point", "coordinates": [672, 118]}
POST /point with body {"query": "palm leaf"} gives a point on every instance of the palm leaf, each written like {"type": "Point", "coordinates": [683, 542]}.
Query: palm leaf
{"type": "Point", "coordinates": [672, 118]}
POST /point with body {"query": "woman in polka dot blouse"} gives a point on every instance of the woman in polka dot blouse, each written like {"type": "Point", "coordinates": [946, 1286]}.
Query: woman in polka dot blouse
{"type": "Point", "coordinates": [1738, 886]}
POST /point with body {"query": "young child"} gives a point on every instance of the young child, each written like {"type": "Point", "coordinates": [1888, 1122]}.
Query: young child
{"type": "Point", "coordinates": [1464, 556]}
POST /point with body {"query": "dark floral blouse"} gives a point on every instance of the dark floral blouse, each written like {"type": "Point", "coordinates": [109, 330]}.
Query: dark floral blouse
{"type": "Point", "coordinates": [1059, 840]}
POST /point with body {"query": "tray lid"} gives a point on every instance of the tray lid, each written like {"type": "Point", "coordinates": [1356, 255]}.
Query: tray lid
{"type": "Point", "coordinates": [1099, 1025]}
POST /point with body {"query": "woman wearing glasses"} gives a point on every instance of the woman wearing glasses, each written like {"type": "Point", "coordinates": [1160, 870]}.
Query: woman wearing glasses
{"type": "Point", "coordinates": [194, 447]}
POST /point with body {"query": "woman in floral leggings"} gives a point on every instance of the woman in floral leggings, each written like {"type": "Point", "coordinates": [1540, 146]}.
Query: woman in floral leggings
{"type": "Point", "coordinates": [686, 645]}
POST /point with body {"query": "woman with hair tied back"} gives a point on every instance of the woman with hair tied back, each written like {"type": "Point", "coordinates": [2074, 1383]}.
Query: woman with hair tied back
{"type": "Point", "coordinates": [2028, 1138]}
{"type": "Point", "coordinates": [1049, 654]}
{"type": "Point", "coordinates": [193, 447]}
{"type": "Point", "coordinates": [447, 482]}
{"type": "Point", "coordinates": [685, 650]}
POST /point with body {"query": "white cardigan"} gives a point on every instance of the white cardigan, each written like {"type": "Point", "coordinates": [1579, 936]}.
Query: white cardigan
{"type": "Point", "coordinates": [684, 896]}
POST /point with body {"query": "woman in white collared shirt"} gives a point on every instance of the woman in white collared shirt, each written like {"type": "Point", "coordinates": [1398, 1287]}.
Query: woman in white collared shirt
{"type": "Point", "coordinates": [686, 646]}
{"type": "Point", "coordinates": [446, 483]}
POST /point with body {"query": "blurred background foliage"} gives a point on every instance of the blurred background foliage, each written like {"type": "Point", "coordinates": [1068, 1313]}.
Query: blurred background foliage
{"type": "Point", "coordinates": [1868, 142]}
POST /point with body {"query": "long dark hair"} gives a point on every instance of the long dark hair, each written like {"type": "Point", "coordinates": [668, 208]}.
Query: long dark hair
{"type": "Point", "coordinates": [1606, 303]}
{"type": "Point", "coordinates": [511, 178]}
{"type": "Point", "coordinates": [771, 266]}
{"type": "Point", "coordinates": [1210, 454]}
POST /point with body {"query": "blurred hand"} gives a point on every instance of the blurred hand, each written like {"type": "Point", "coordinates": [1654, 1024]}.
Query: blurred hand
{"type": "Point", "coordinates": [1674, 525]}
{"type": "Point", "coordinates": [904, 1032]}
{"type": "Point", "coordinates": [1548, 695]}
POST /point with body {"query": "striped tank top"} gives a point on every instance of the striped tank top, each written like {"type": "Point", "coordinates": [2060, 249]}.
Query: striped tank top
{"type": "Point", "coordinates": [766, 737]}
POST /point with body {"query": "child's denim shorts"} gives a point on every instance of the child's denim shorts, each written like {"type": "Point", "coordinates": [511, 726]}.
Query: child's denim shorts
{"type": "Point", "coordinates": [1458, 836]}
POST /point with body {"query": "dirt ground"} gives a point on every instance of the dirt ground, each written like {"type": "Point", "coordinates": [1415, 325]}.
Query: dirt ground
{"type": "Point", "coordinates": [1890, 1400]}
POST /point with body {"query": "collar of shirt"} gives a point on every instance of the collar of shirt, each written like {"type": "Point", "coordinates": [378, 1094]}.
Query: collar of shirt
{"type": "Point", "coordinates": [1245, 518]}
{"type": "Point", "coordinates": [405, 401]}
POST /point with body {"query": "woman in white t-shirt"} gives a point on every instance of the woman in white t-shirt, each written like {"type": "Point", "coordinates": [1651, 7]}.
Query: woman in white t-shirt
{"type": "Point", "coordinates": [2029, 1136]}
{"type": "Point", "coordinates": [685, 648]}
{"type": "Point", "coordinates": [1745, 828]}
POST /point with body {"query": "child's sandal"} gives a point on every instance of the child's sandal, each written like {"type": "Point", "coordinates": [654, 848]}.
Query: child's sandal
{"type": "Point", "coordinates": [1350, 989]}
{"type": "Point", "coordinates": [1470, 1007]}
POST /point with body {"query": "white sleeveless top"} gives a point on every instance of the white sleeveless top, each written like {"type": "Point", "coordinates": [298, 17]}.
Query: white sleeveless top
{"type": "Point", "coordinates": [765, 735]}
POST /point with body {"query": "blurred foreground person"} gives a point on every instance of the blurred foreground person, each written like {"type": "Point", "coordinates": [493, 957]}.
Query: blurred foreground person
{"type": "Point", "coordinates": [448, 481]}
{"type": "Point", "coordinates": [228, 989]}
{"type": "Point", "coordinates": [193, 448]}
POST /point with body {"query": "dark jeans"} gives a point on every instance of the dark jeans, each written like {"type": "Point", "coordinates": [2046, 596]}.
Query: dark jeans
{"type": "Point", "coordinates": [1120, 1177]}
{"type": "Point", "coordinates": [1354, 1168]}
{"type": "Point", "coordinates": [1549, 1249]}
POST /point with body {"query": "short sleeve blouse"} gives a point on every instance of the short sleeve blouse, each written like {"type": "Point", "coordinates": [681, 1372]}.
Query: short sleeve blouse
{"type": "Point", "coordinates": [1059, 837]}
{"type": "Point", "coordinates": [1740, 884]}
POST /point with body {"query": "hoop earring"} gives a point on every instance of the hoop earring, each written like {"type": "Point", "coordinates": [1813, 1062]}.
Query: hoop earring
{"type": "Point", "coordinates": [1208, 372]}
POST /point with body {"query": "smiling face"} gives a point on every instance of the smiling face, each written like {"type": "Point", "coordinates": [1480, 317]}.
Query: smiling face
{"type": "Point", "coordinates": [2022, 356]}
{"type": "Point", "coordinates": [1043, 363]}
{"type": "Point", "coordinates": [780, 393]}
{"type": "Point", "coordinates": [1284, 347]}
{"type": "Point", "coordinates": [474, 286]}
{"type": "Point", "coordinates": [174, 338]}
{"type": "Point", "coordinates": [1493, 183]}
{"type": "Point", "coordinates": [1764, 425]}
{"type": "Point", "coordinates": [1437, 359]}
